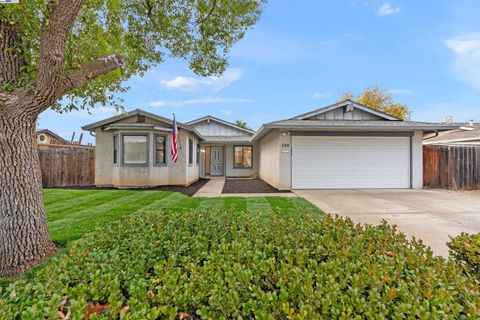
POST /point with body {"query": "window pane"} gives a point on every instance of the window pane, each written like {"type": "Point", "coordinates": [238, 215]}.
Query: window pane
{"type": "Point", "coordinates": [190, 151]}
{"type": "Point", "coordinates": [247, 157]}
{"type": "Point", "coordinates": [243, 157]}
{"type": "Point", "coordinates": [198, 153]}
{"type": "Point", "coordinates": [135, 149]}
{"type": "Point", "coordinates": [160, 149]}
{"type": "Point", "coordinates": [238, 157]}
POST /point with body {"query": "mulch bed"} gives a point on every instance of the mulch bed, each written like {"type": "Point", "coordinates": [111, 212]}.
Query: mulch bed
{"type": "Point", "coordinates": [189, 191]}
{"type": "Point", "coordinates": [249, 186]}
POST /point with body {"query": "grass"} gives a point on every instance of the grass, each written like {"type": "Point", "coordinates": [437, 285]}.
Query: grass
{"type": "Point", "coordinates": [72, 213]}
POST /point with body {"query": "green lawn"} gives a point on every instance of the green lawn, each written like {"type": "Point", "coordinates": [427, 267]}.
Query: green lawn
{"type": "Point", "coordinates": [72, 213]}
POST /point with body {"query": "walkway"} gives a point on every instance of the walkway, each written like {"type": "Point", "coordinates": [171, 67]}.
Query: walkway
{"type": "Point", "coordinates": [213, 188]}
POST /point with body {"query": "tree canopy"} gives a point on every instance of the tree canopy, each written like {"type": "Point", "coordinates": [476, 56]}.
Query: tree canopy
{"type": "Point", "coordinates": [132, 34]}
{"type": "Point", "coordinates": [242, 124]}
{"type": "Point", "coordinates": [380, 99]}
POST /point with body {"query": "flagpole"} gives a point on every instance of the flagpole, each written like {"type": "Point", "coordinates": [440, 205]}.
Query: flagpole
{"type": "Point", "coordinates": [179, 140]}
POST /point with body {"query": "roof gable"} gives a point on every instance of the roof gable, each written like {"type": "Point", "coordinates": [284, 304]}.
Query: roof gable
{"type": "Point", "coordinates": [51, 133]}
{"type": "Point", "coordinates": [124, 118]}
{"type": "Point", "coordinates": [346, 110]}
{"type": "Point", "coordinates": [197, 123]}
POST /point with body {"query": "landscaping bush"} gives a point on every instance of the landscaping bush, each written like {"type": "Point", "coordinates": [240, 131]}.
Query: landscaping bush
{"type": "Point", "coordinates": [465, 248]}
{"type": "Point", "coordinates": [227, 265]}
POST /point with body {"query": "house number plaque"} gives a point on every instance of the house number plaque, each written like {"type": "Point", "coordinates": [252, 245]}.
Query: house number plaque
{"type": "Point", "coordinates": [285, 147]}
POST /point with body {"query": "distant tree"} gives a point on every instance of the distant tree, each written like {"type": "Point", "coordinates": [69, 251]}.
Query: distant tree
{"type": "Point", "coordinates": [379, 99]}
{"type": "Point", "coordinates": [242, 124]}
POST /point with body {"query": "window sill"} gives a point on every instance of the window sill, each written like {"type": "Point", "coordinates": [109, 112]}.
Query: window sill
{"type": "Point", "coordinates": [135, 165]}
{"type": "Point", "coordinates": [160, 165]}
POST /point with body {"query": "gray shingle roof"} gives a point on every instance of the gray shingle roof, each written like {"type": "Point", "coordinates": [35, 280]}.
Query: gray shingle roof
{"type": "Point", "coordinates": [369, 124]}
{"type": "Point", "coordinates": [382, 125]}
{"type": "Point", "coordinates": [455, 136]}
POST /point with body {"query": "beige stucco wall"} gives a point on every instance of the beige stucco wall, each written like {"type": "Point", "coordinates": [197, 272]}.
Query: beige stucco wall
{"type": "Point", "coordinates": [285, 167]}
{"type": "Point", "coordinates": [269, 160]}
{"type": "Point", "coordinates": [417, 160]}
{"type": "Point", "coordinates": [275, 160]}
{"type": "Point", "coordinates": [120, 175]}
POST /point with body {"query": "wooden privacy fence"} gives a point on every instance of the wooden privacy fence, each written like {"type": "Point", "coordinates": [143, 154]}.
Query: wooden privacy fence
{"type": "Point", "coordinates": [67, 165]}
{"type": "Point", "coordinates": [451, 167]}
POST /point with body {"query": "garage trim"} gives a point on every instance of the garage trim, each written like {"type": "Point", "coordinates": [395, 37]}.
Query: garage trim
{"type": "Point", "coordinates": [352, 133]}
{"type": "Point", "coordinates": [408, 134]}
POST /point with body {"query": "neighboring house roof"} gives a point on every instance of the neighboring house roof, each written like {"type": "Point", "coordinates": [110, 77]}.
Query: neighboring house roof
{"type": "Point", "coordinates": [56, 136]}
{"type": "Point", "coordinates": [342, 104]}
{"type": "Point", "coordinates": [467, 125]}
{"type": "Point", "coordinates": [230, 124]}
{"type": "Point", "coordinates": [114, 119]}
{"type": "Point", "coordinates": [455, 136]}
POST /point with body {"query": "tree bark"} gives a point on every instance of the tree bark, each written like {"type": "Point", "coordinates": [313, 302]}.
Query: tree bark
{"type": "Point", "coordinates": [24, 238]}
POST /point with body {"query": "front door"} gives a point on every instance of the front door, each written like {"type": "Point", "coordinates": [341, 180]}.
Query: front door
{"type": "Point", "coordinates": [217, 161]}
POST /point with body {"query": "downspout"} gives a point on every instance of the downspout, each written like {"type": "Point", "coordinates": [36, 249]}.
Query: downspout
{"type": "Point", "coordinates": [436, 135]}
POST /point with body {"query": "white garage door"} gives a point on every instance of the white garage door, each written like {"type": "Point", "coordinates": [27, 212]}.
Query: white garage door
{"type": "Point", "coordinates": [350, 162]}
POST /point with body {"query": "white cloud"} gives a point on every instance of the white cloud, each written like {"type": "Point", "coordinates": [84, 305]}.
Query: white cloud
{"type": "Point", "coordinates": [194, 83]}
{"type": "Point", "coordinates": [322, 94]}
{"type": "Point", "coordinates": [386, 9]}
{"type": "Point", "coordinates": [206, 100]}
{"type": "Point", "coordinates": [466, 65]}
{"type": "Point", "coordinates": [226, 111]}
{"type": "Point", "coordinates": [159, 103]}
{"type": "Point", "coordinates": [183, 83]}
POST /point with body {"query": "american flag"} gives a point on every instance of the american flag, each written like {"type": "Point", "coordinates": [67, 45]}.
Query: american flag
{"type": "Point", "coordinates": [174, 141]}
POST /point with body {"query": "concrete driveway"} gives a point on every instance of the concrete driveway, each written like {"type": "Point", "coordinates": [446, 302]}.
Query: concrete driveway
{"type": "Point", "coordinates": [431, 215]}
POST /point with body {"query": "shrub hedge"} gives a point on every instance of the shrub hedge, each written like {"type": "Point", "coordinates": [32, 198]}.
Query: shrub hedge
{"type": "Point", "coordinates": [226, 265]}
{"type": "Point", "coordinates": [465, 248]}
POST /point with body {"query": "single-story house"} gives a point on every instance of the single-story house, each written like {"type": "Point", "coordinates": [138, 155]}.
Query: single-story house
{"type": "Point", "coordinates": [344, 145]}
{"type": "Point", "coordinates": [45, 136]}
{"type": "Point", "coordinates": [466, 134]}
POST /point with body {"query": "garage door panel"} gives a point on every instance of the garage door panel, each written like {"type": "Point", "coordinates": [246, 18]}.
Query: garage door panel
{"type": "Point", "coordinates": [350, 162]}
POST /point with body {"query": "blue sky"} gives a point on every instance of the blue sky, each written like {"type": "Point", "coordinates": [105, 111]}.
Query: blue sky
{"type": "Point", "coordinates": [304, 54]}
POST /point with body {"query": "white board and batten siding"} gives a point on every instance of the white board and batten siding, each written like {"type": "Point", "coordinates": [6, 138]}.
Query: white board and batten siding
{"type": "Point", "coordinates": [342, 114]}
{"type": "Point", "coordinates": [338, 162]}
{"type": "Point", "coordinates": [216, 129]}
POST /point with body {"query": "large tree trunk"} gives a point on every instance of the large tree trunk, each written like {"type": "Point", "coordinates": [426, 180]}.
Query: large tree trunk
{"type": "Point", "coordinates": [24, 238]}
